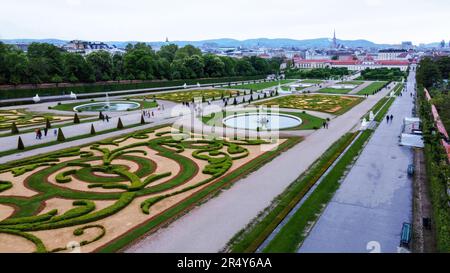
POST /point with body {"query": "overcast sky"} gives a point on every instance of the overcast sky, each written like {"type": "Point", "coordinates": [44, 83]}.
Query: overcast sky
{"type": "Point", "coordinates": [382, 21]}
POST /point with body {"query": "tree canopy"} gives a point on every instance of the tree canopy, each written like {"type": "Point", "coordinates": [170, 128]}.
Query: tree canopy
{"type": "Point", "coordinates": [46, 63]}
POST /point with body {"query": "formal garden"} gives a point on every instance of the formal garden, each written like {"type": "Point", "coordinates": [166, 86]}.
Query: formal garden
{"type": "Point", "coordinates": [335, 105]}
{"type": "Point", "coordinates": [189, 95]}
{"type": "Point", "coordinates": [262, 85]}
{"type": "Point", "coordinates": [103, 196]}
{"type": "Point", "coordinates": [22, 118]}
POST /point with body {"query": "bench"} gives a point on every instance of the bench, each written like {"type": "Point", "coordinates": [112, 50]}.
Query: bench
{"type": "Point", "coordinates": [411, 170]}
{"type": "Point", "coordinates": [406, 235]}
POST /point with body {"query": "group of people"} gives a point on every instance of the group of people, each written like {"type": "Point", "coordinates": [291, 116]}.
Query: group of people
{"type": "Point", "coordinates": [389, 118]}
{"type": "Point", "coordinates": [148, 113]}
{"type": "Point", "coordinates": [105, 117]}
{"type": "Point", "coordinates": [325, 125]}
{"type": "Point", "coordinates": [39, 131]}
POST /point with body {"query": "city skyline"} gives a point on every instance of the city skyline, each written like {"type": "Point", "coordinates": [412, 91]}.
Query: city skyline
{"type": "Point", "coordinates": [151, 22]}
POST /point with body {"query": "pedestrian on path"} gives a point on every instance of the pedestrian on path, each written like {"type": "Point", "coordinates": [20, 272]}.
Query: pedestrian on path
{"type": "Point", "coordinates": [37, 133]}
{"type": "Point", "coordinates": [324, 124]}
{"type": "Point", "coordinates": [107, 118]}
{"type": "Point", "coordinates": [45, 131]}
{"type": "Point", "coordinates": [387, 119]}
{"type": "Point", "coordinates": [55, 132]}
{"type": "Point", "coordinates": [392, 118]}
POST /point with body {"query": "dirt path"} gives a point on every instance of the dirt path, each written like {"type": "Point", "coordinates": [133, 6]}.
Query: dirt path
{"type": "Point", "coordinates": [423, 239]}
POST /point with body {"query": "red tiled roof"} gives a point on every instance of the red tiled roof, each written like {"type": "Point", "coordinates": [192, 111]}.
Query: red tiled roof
{"type": "Point", "coordinates": [392, 62]}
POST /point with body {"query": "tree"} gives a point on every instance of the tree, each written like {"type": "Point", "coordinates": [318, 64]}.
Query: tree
{"type": "Point", "coordinates": [213, 66]}
{"type": "Point", "coordinates": [14, 129]}
{"type": "Point", "coordinates": [45, 62]}
{"type": "Point", "coordinates": [61, 136]}
{"type": "Point", "coordinates": [119, 124]}
{"type": "Point", "coordinates": [102, 65]}
{"type": "Point", "coordinates": [168, 52]}
{"type": "Point", "coordinates": [139, 62]}
{"type": "Point", "coordinates": [20, 145]}
{"type": "Point", "coordinates": [76, 69]}
{"type": "Point", "coordinates": [187, 51]}
{"type": "Point", "coordinates": [48, 125]}
{"type": "Point", "coordinates": [92, 129]}
{"type": "Point", "coordinates": [428, 73]}
{"type": "Point", "coordinates": [194, 67]}
{"type": "Point", "coordinates": [76, 119]}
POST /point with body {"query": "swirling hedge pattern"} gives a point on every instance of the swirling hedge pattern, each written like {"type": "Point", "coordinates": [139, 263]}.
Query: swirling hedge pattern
{"type": "Point", "coordinates": [121, 185]}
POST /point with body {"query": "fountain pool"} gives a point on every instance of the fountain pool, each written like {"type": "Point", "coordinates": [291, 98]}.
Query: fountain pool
{"type": "Point", "coordinates": [113, 106]}
{"type": "Point", "coordinates": [266, 121]}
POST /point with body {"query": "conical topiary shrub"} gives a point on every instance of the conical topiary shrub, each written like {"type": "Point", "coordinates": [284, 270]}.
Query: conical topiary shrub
{"type": "Point", "coordinates": [92, 129]}
{"type": "Point", "coordinates": [76, 119]}
{"type": "Point", "coordinates": [14, 129]}
{"type": "Point", "coordinates": [119, 124]}
{"type": "Point", "coordinates": [48, 125]}
{"type": "Point", "coordinates": [142, 119]}
{"type": "Point", "coordinates": [61, 136]}
{"type": "Point", "coordinates": [20, 145]}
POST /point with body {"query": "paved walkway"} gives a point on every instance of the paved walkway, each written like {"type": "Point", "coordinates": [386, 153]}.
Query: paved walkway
{"type": "Point", "coordinates": [376, 196]}
{"type": "Point", "coordinates": [209, 227]}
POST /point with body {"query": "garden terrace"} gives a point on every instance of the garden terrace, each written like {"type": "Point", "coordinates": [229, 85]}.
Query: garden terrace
{"type": "Point", "coordinates": [71, 106]}
{"type": "Point", "coordinates": [108, 194]}
{"type": "Point", "coordinates": [335, 105]}
{"type": "Point", "coordinates": [189, 95]}
{"type": "Point", "coordinates": [263, 85]}
{"type": "Point", "coordinates": [23, 118]}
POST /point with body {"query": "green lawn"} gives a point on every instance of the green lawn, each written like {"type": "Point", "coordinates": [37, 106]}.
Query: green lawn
{"type": "Point", "coordinates": [261, 86]}
{"type": "Point", "coordinates": [369, 90]}
{"type": "Point", "coordinates": [330, 90]}
{"type": "Point", "coordinates": [70, 106]}
{"type": "Point", "coordinates": [309, 122]}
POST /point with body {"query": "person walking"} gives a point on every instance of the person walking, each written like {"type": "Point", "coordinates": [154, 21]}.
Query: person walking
{"type": "Point", "coordinates": [45, 131]}
{"type": "Point", "coordinates": [37, 133]}
{"type": "Point", "coordinates": [392, 118]}
{"type": "Point", "coordinates": [387, 119]}
{"type": "Point", "coordinates": [55, 132]}
{"type": "Point", "coordinates": [107, 118]}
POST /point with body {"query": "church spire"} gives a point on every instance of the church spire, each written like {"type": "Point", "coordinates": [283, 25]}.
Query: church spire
{"type": "Point", "coordinates": [334, 39]}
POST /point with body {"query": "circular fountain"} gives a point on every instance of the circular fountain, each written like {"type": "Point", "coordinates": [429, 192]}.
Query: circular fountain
{"type": "Point", "coordinates": [107, 105]}
{"type": "Point", "coordinates": [266, 121]}
{"type": "Point", "coordinates": [113, 106]}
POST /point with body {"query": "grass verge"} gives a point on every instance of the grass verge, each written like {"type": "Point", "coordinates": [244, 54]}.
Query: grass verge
{"type": "Point", "coordinates": [250, 238]}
